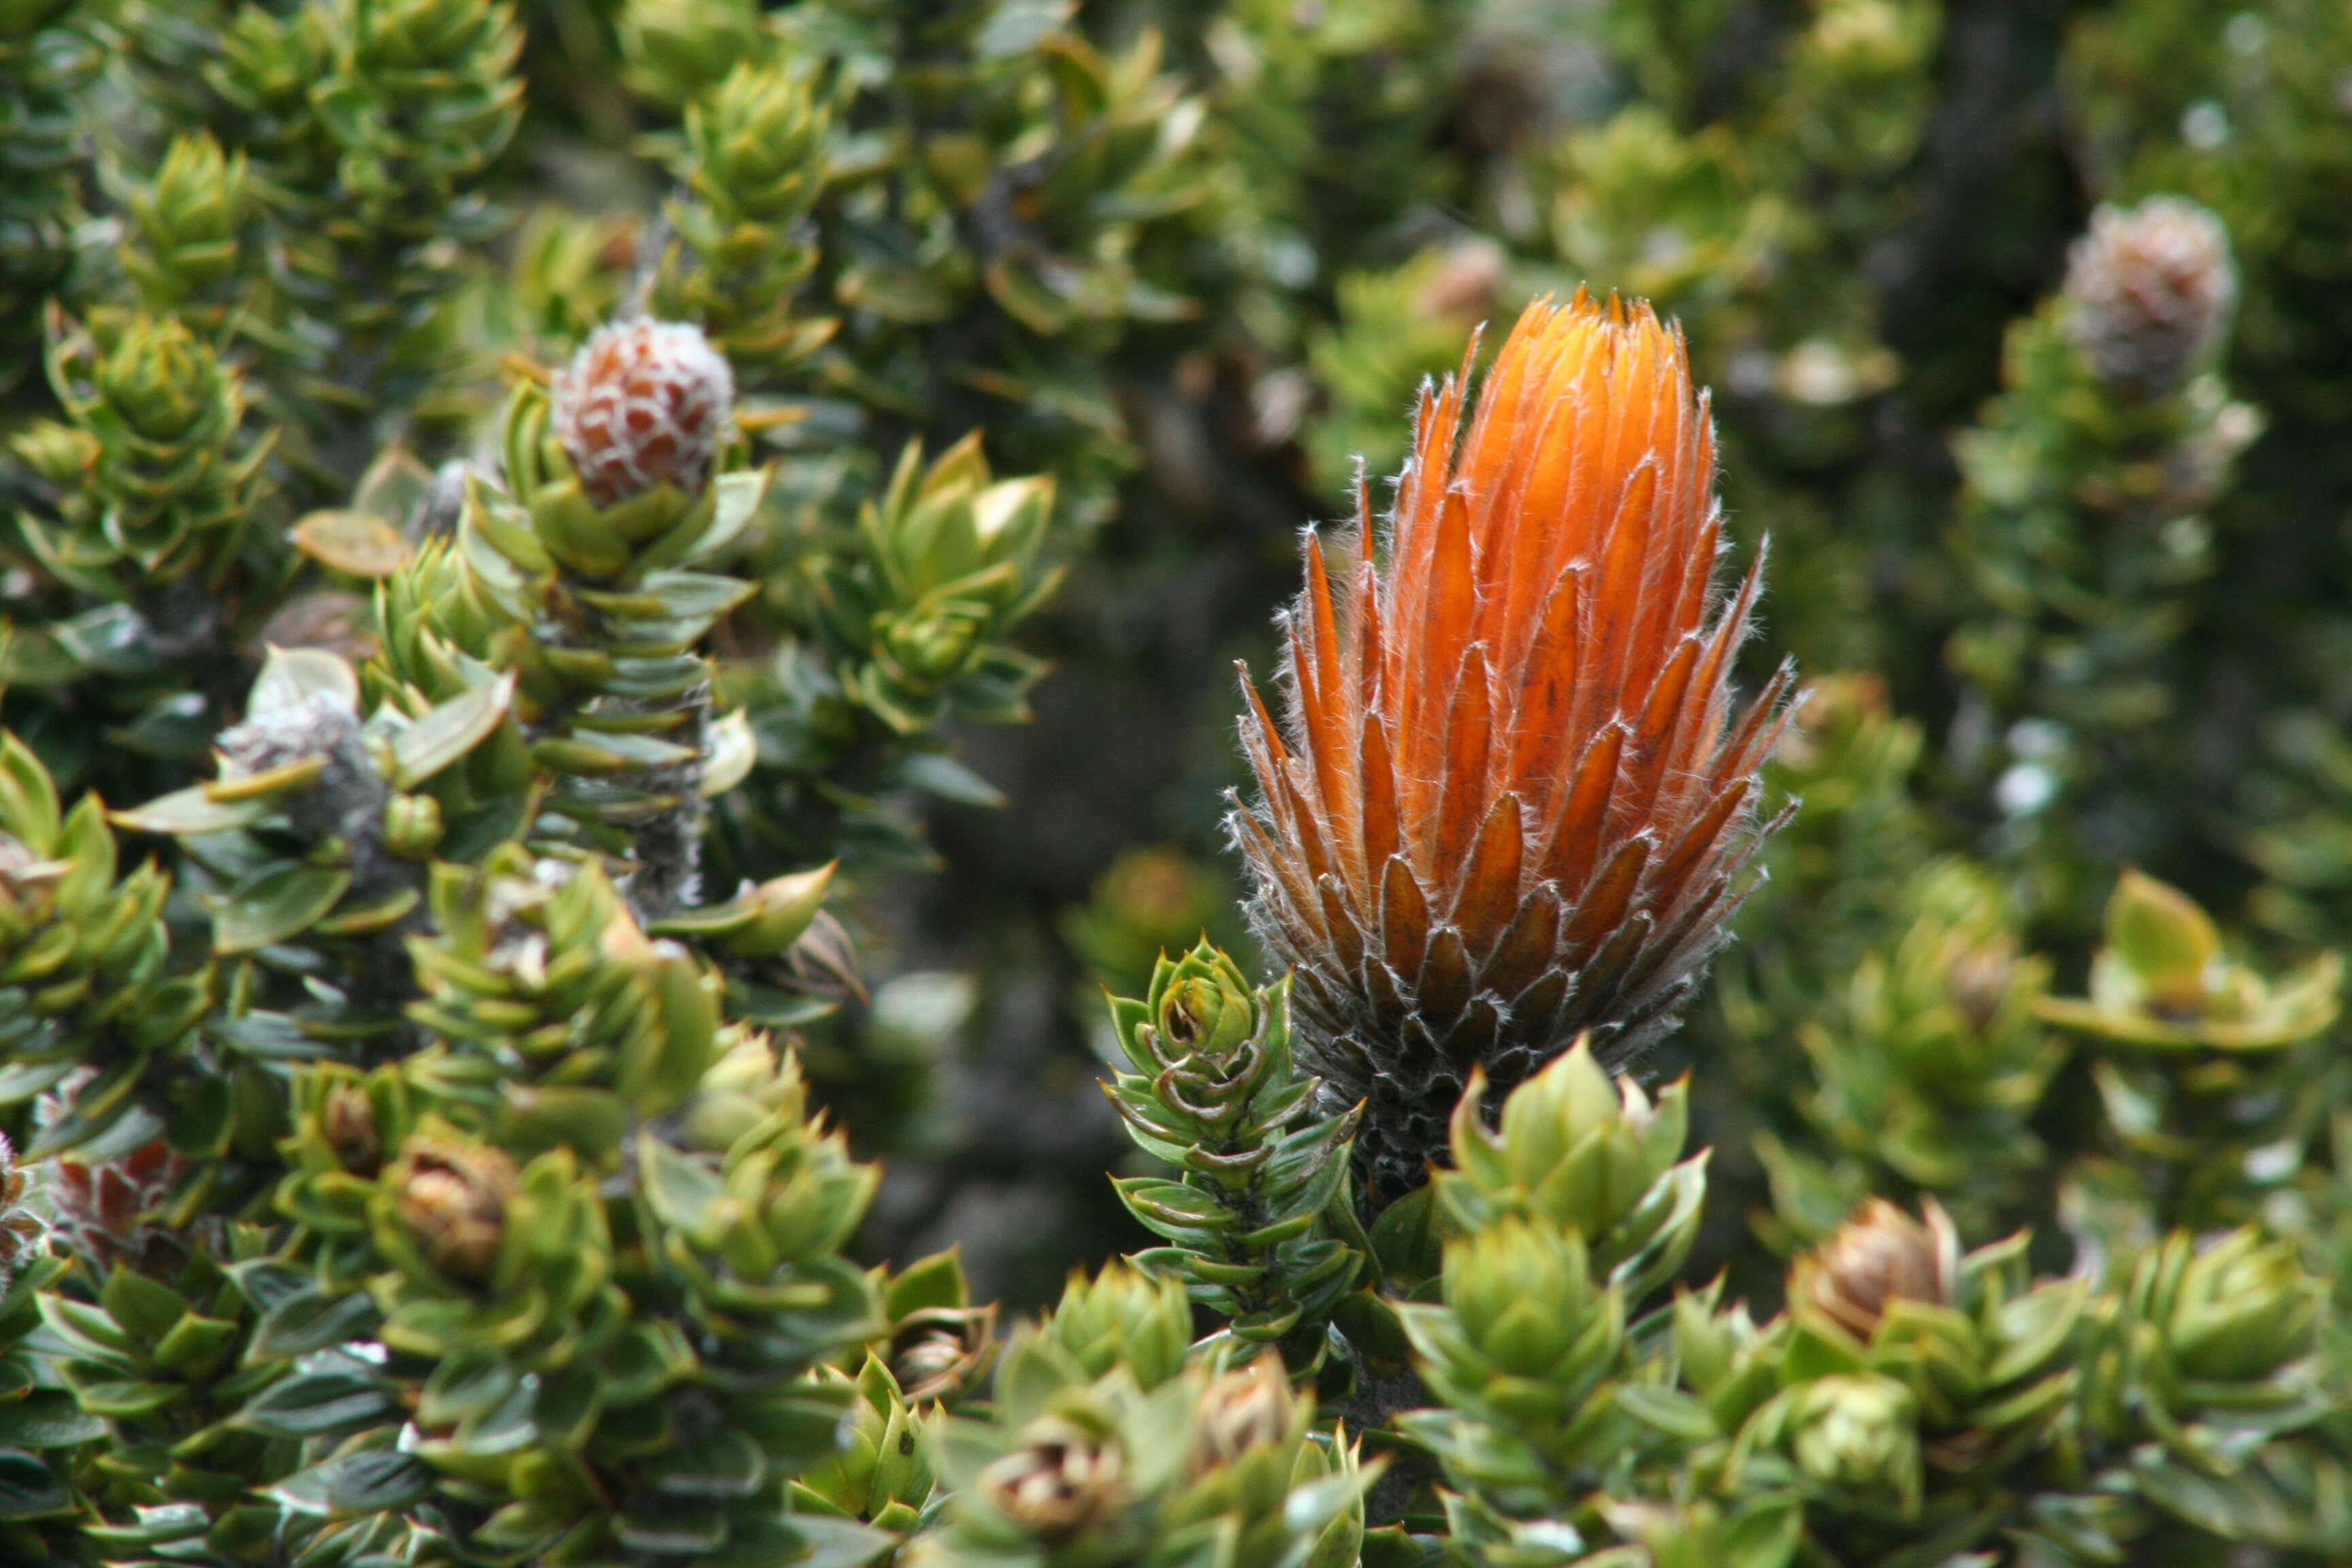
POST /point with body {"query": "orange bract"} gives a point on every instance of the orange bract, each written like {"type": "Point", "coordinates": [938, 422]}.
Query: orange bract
{"type": "Point", "coordinates": [1511, 800]}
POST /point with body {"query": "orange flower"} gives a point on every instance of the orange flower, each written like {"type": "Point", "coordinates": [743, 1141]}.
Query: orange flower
{"type": "Point", "coordinates": [1512, 800]}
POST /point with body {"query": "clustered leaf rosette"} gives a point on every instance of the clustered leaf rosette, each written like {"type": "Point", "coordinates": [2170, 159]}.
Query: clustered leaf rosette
{"type": "Point", "coordinates": [88, 992]}
{"type": "Point", "coordinates": [51, 51]}
{"type": "Point", "coordinates": [1513, 799]}
{"type": "Point", "coordinates": [1260, 1211]}
{"type": "Point", "coordinates": [1555, 1225]}
{"type": "Point", "coordinates": [880, 1470]}
{"type": "Point", "coordinates": [1081, 1467]}
{"type": "Point", "coordinates": [188, 223]}
{"type": "Point", "coordinates": [2204, 1397]}
{"type": "Point", "coordinates": [1931, 1067]}
{"type": "Point", "coordinates": [603, 1350]}
{"type": "Point", "coordinates": [1125, 1316]}
{"type": "Point", "coordinates": [2200, 1060]}
{"type": "Point", "coordinates": [556, 1015]}
{"type": "Point", "coordinates": [944, 564]}
{"type": "Point", "coordinates": [158, 1351]}
{"type": "Point", "coordinates": [375, 124]}
{"type": "Point", "coordinates": [1574, 1149]}
{"type": "Point", "coordinates": [155, 474]}
{"type": "Point", "coordinates": [1983, 1357]}
{"type": "Point", "coordinates": [2162, 982]}
{"type": "Point", "coordinates": [753, 165]}
{"type": "Point", "coordinates": [40, 1422]}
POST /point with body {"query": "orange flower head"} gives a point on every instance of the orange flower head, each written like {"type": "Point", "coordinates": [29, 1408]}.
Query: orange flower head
{"type": "Point", "coordinates": [1512, 799]}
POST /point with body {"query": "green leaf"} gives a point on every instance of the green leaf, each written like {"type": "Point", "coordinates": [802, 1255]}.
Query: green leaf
{"type": "Point", "coordinates": [190, 811]}
{"type": "Point", "coordinates": [318, 1404]}
{"type": "Point", "coordinates": [937, 774]}
{"type": "Point", "coordinates": [370, 1482]}
{"type": "Point", "coordinates": [451, 730]}
{"type": "Point", "coordinates": [48, 1418]}
{"type": "Point", "coordinates": [28, 1490]}
{"type": "Point", "coordinates": [276, 904]}
{"type": "Point", "coordinates": [292, 676]}
{"type": "Point", "coordinates": [311, 1321]}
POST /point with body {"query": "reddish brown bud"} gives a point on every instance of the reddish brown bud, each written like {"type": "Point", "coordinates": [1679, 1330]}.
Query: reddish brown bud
{"type": "Point", "coordinates": [642, 403]}
{"type": "Point", "coordinates": [2150, 288]}
{"type": "Point", "coordinates": [1880, 1255]}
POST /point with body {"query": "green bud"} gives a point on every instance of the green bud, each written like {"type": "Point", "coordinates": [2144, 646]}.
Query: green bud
{"type": "Point", "coordinates": [756, 145]}
{"type": "Point", "coordinates": [1523, 1294]}
{"type": "Point", "coordinates": [1124, 1317]}
{"type": "Point", "coordinates": [185, 225]}
{"type": "Point", "coordinates": [164, 414]}
{"type": "Point", "coordinates": [2244, 1309]}
{"type": "Point", "coordinates": [1580, 1150]}
{"type": "Point", "coordinates": [411, 825]}
{"type": "Point", "coordinates": [676, 51]}
{"type": "Point", "coordinates": [1860, 1430]}
{"type": "Point", "coordinates": [1202, 1008]}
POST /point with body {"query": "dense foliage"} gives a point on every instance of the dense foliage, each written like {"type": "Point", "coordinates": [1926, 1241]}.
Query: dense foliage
{"type": "Point", "coordinates": [551, 974]}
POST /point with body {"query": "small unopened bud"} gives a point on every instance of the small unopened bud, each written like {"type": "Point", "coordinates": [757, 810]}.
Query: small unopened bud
{"type": "Point", "coordinates": [411, 825]}
{"type": "Point", "coordinates": [168, 387]}
{"type": "Point", "coordinates": [1880, 1255]}
{"type": "Point", "coordinates": [642, 403]}
{"type": "Point", "coordinates": [1239, 1410]}
{"type": "Point", "coordinates": [1060, 1483]}
{"type": "Point", "coordinates": [347, 1122]}
{"type": "Point", "coordinates": [453, 1198]}
{"type": "Point", "coordinates": [2150, 288]}
{"type": "Point", "coordinates": [938, 1352]}
{"type": "Point", "coordinates": [1205, 1017]}
{"type": "Point", "coordinates": [1860, 1430]}
{"type": "Point", "coordinates": [1978, 973]}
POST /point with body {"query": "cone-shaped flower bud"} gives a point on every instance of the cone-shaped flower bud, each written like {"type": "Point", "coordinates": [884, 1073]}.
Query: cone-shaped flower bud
{"type": "Point", "coordinates": [1513, 798]}
{"type": "Point", "coordinates": [1879, 1257]}
{"type": "Point", "coordinates": [2150, 289]}
{"type": "Point", "coordinates": [642, 403]}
